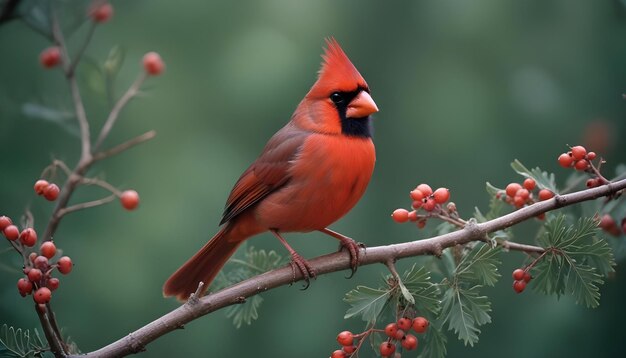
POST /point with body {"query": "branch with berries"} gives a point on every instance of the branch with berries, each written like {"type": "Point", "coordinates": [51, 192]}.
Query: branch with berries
{"type": "Point", "coordinates": [440, 294]}
{"type": "Point", "coordinates": [40, 264]}
{"type": "Point", "coordinates": [466, 233]}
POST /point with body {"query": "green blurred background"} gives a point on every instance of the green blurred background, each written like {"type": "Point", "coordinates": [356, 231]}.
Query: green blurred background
{"type": "Point", "coordinates": [464, 87]}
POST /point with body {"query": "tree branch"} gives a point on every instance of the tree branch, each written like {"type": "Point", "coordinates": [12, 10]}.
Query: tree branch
{"type": "Point", "coordinates": [137, 340]}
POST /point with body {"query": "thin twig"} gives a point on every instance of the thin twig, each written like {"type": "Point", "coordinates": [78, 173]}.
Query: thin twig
{"type": "Point", "coordinates": [72, 67]}
{"type": "Point", "coordinates": [101, 183]}
{"type": "Point", "coordinates": [81, 116]}
{"type": "Point", "coordinates": [125, 146]}
{"type": "Point", "coordinates": [108, 124]}
{"type": "Point", "coordinates": [341, 261]}
{"type": "Point", "coordinates": [55, 344]}
{"type": "Point", "coordinates": [86, 205]}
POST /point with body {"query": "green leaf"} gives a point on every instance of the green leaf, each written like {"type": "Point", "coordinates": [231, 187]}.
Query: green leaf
{"type": "Point", "coordinates": [426, 294]}
{"type": "Point", "coordinates": [496, 204]}
{"type": "Point", "coordinates": [114, 61]}
{"type": "Point", "coordinates": [245, 312]}
{"type": "Point", "coordinates": [254, 263]}
{"type": "Point", "coordinates": [20, 343]}
{"type": "Point", "coordinates": [434, 343]}
{"type": "Point", "coordinates": [464, 311]}
{"type": "Point", "coordinates": [366, 302]}
{"type": "Point", "coordinates": [575, 261]}
{"type": "Point", "coordinates": [480, 266]}
{"type": "Point", "coordinates": [543, 179]}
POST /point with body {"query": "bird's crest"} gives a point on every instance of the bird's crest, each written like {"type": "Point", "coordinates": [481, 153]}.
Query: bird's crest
{"type": "Point", "coordinates": [337, 72]}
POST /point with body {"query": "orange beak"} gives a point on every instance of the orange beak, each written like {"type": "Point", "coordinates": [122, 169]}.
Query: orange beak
{"type": "Point", "coordinates": [361, 106]}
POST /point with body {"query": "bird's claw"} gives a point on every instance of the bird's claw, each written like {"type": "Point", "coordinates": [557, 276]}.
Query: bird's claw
{"type": "Point", "coordinates": [302, 265]}
{"type": "Point", "coordinates": [353, 248]}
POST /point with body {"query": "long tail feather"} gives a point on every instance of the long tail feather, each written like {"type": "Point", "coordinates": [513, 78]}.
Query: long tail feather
{"type": "Point", "coordinates": [203, 266]}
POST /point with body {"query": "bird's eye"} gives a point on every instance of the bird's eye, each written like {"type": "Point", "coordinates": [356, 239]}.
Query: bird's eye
{"type": "Point", "coordinates": [336, 97]}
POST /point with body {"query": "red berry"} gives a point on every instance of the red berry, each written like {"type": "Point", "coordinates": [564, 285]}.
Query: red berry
{"type": "Point", "coordinates": [50, 57]}
{"type": "Point", "coordinates": [41, 262]}
{"type": "Point", "coordinates": [24, 286]}
{"type": "Point", "coordinates": [42, 295]}
{"type": "Point", "coordinates": [581, 165]}
{"type": "Point", "coordinates": [53, 283]}
{"type": "Point", "coordinates": [404, 324]}
{"type": "Point", "coordinates": [345, 338]}
{"type": "Point", "coordinates": [64, 265]}
{"type": "Point", "coordinates": [391, 329]}
{"type": "Point", "coordinates": [413, 215]}
{"type": "Point", "coordinates": [338, 354]}
{"type": "Point", "coordinates": [425, 189]}
{"type": "Point", "coordinates": [518, 274]}
{"type": "Point", "coordinates": [417, 204]}
{"type": "Point", "coordinates": [399, 334]}
{"type": "Point", "coordinates": [11, 232]}
{"type": "Point", "coordinates": [519, 286]}
{"type": "Point", "coordinates": [129, 199]}
{"type": "Point", "coordinates": [40, 186]}
{"type": "Point", "coordinates": [417, 195]}
{"type": "Point", "coordinates": [529, 183]}
{"type": "Point", "coordinates": [441, 195]}
{"type": "Point", "coordinates": [349, 349]}
{"type": "Point", "coordinates": [541, 216]}
{"type": "Point", "coordinates": [523, 193]}
{"type": "Point", "coordinates": [52, 192]}
{"type": "Point", "coordinates": [102, 13]}
{"type": "Point", "coordinates": [387, 349]}
{"type": "Point", "coordinates": [4, 222]}
{"type": "Point", "coordinates": [579, 152]}
{"type": "Point", "coordinates": [527, 277]}
{"type": "Point", "coordinates": [591, 155]}
{"type": "Point", "coordinates": [153, 64]}
{"type": "Point", "coordinates": [34, 275]}
{"type": "Point", "coordinates": [592, 183]}
{"type": "Point", "coordinates": [608, 224]}
{"type": "Point", "coordinates": [518, 201]}
{"type": "Point", "coordinates": [420, 224]}
{"type": "Point", "coordinates": [420, 324]}
{"type": "Point", "coordinates": [400, 215]}
{"type": "Point", "coordinates": [512, 189]}
{"type": "Point", "coordinates": [566, 160]}
{"type": "Point", "coordinates": [429, 205]}
{"type": "Point", "coordinates": [409, 342]}
{"type": "Point", "coordinates": [545, 194]}
{"type": "Point", "coordinates": [48, 249]}
{"type": "Point", "coordinates": [28, 237]}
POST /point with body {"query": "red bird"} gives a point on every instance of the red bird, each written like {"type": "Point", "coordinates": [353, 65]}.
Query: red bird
{"type": "Point", "coordinates": [310, 174]}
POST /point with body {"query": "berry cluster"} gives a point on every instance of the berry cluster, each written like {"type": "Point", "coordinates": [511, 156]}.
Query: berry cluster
{"type": "Point", "coordinates": [430, 201]}
{"type": "Point", "coordinates": [519, 195]}
{"type": "Point", "coordinates": [50, 191]}
{"type": "Point", "coordinates": [520, 278]}
{"type": "Point", "coordinates": [396, 332]}
{"type": "Point", "coordinates": [38, 268]}
{"type": "Point", "coordinates": [577, 158]}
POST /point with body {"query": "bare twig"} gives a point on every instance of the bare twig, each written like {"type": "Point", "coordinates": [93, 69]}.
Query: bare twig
{"type": "Point", "coordinates": [72, 67]}
{"type": "Point", "coordinates": [86, 205]}
{"type": "Point", "coordinates": [102, 184]}
{"type": "Point", "coordinates": [130, 93]}
{"type": "Point", "coordinates": [341, 261]}
{"type": "Point", "coordinates": [56, 345]}
{"type": "Point", "coordinates": [125, 146]}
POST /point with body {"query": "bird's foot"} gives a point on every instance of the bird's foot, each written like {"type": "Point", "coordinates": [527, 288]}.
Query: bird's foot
{"type": "Point", "coordinates": [302, 265]}
{"type": "Point", "coordinates": [354, 248]}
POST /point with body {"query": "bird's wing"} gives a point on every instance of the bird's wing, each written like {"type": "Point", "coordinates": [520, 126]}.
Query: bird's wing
{"type": "Point", "coordinates": [267, 174]}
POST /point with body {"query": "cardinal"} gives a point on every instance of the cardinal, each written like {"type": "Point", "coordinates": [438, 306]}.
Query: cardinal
{"type": "Point", "coordinates": [309, 175]}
